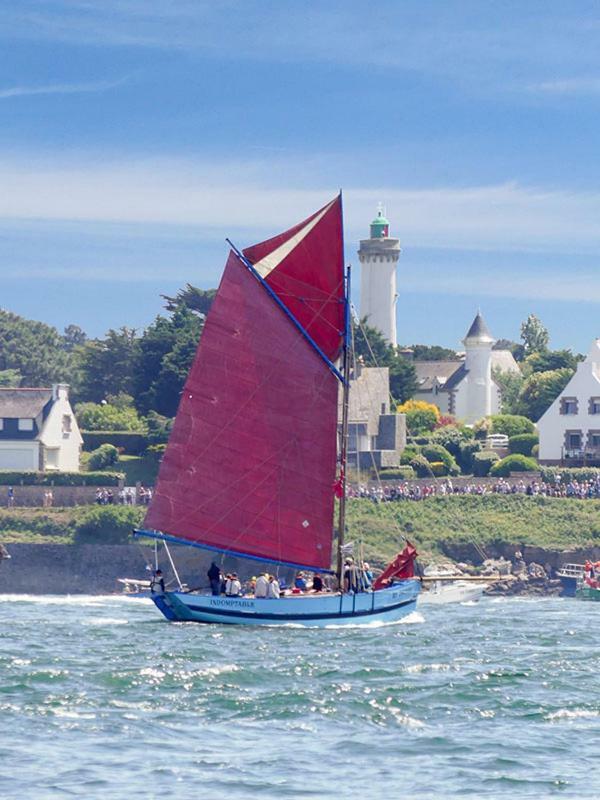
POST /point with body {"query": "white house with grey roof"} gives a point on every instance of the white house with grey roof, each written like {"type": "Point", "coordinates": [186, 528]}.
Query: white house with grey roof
{"type": "Point", "coordinates": [38, 430]}
{"type": "Point", "coordinates": [465, 386]}
{"type": "Point", "coordinates": [570, 429]}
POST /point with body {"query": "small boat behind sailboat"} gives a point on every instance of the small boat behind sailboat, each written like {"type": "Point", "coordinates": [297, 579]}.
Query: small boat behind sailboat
{"type": "Point", "coordinates": [250, 468]}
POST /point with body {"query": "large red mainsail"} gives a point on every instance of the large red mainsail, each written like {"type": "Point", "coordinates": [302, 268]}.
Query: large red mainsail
{"type": "Point", "coordinates": [250, 464]}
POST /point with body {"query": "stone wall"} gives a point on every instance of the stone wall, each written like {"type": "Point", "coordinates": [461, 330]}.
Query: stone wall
{"type": "Point", "coordinates": [94, 569]}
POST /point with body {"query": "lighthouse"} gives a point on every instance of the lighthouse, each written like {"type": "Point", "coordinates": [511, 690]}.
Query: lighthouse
{"type": "Point", "coordinates": [378, 257]}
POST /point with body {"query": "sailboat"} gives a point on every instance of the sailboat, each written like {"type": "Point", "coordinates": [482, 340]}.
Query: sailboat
{"type": "Point", "coordinates": [250, 467]}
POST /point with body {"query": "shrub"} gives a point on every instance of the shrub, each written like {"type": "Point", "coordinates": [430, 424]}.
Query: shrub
{"type": "Point", "coordinates": [535, 451]}
{"type": "Point", "coordinates": [523, 443]}
{"type": "Point", "coordinates": [511, 424]}
{"type": "Point", "coordinates": [550, 474]}
{"type": "Point", "coordinates": [130, 442]}
{"type": "Point", "coordinates": [483, 462]}
{"type": "Point", "coordinates": [159, 427]}
{"type": "Point", "coordinates": [514, 463]}
{"type": "Point", "coordinates": [155, 452]}
{"type": "Point", "coordinates": [467, 453]}
{"type": "Point", "coordinates": [107, 524]}
{"type": "Point", "coordinates": [409, 452]}
{"type": "Point", "coordinates": [108, 417]}
{"type": "Point", "coordinates": [438, 468]}
{"type": "Point", "coordinates": [404, 473]}
{"type": "Point", "coordinates": [11, 478]}
{"type": "Point", "coordinates": [421, 466]}
{"type": "Point", "coordinates": [435, 453]}
{"type": "Point", "coordinates": [420, 416]}
{"type": "Point", "coordinates": [105, 456]}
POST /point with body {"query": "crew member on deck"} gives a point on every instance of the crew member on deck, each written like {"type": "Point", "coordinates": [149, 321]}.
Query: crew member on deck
{"type": "Point", "coordinates": [157, 584]}
{"type": "Point", "coordinates": [233, 587]}
{"type": "Point", "coordinates": [262, 585]}
{"type": "Point", "coordinates": [273, 591]}
{"type": "Point", "coordinates": [317, 584]}
{"type": "Point", "coordinates": [350, 576]}
{"type": "Point", "coordinates": [214, 576]}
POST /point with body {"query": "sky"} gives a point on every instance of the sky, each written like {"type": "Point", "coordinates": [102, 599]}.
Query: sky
{"type": "Point", "coordinates": [135, 135]}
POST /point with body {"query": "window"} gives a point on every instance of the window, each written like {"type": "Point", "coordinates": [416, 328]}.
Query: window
{"type": "Point", "coordinates": [66, 423]}
{"type": "Point", "coordinates": [568, 405]}
{"type": "Point", "coordinates": [573, 440]}
{"type": "Point", "coordinates": [25, 424]}
{"type": "Point", "coordinates": [594, 405]}
{"type": "Point", "coordinates": [594, 440]}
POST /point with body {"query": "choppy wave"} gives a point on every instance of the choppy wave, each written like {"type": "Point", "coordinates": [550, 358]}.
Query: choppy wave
{"type": "Point", "coordinates": [482, 701]}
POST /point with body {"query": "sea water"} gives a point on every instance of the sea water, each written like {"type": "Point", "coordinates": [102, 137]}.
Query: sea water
{"type": "Point", "coordinates": [101, 698]}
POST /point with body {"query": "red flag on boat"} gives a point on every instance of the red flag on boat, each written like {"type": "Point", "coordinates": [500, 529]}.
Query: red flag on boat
{"type": "Point", "coordinates": [338, 486]}
{"type": "Point", "coordinates": [402, 567]}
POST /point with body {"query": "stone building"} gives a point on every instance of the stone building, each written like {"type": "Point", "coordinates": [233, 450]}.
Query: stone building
{"type": "Point", "coordinates": [376, 434]}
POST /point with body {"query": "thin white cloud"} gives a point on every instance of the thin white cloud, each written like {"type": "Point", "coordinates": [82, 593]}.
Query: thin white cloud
{"type": "Point", "coordinates": [59, 88]}
{"type": "Point", "coordinates": [218, 199]}
{"type": "Point", "coordinates": [568, 86]}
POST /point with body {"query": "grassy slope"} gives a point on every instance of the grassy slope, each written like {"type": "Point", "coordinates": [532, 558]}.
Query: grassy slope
{"type": "Point", "coordinates": [552, 523]}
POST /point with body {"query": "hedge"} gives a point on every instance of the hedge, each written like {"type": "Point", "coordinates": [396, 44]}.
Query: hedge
{"type": "Point", "coordinates": [549, 474]}
{"type": "Point", "coordinates": [511, 424]}
{"type": "Point", "coordinates": [514, 463]}
{"type": "Point", "coordinates": [483, 462]}
{"type": "Point", "coordinates": [107, 524]}
{"type": "Point", "coordinates": [403, 473]}
{"type": "Point", "coordinates": [523, 443]}
{"type": "Point", "coordinates": [130, 442]}
{"type": "Point", "coordinates": [11, 478]}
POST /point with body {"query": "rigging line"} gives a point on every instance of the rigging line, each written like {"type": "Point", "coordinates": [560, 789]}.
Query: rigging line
{"type": "Point", "coordinates": [248, 264]}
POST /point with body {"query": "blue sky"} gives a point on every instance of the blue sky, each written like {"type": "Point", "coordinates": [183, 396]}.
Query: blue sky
{"type": "Point", "coordinates": [136, 134]}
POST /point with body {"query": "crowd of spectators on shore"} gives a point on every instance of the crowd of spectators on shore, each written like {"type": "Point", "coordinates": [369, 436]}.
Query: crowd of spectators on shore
{"type": "Point", "coordinates": [581, 490]}
{"type": "Point", "coordinates": [127, 496]}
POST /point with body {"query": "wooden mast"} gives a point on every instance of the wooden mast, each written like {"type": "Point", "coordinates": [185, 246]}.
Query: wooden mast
{"type": "Point", "coordinates": [344, 435]}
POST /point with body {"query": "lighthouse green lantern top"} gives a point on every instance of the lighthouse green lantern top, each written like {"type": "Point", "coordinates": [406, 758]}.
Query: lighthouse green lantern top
{"type": "Point", "coordinates": [380, 227]}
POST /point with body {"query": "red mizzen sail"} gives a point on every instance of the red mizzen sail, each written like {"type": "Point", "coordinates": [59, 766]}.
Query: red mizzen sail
{"type": "Point", "coordinates": [251, 459]}
{"type": "Point", "coordinates": [401, 568]}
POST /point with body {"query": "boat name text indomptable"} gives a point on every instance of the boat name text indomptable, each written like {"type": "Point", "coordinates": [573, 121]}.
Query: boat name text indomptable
{"type": "Point", "coordinates": [233, 602]}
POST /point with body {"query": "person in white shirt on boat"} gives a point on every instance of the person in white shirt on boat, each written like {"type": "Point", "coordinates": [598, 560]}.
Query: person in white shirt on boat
{"type": "Point", "coordinates": [262, 586]}
{"type": "Point", "coordinates": [233, 588]}
{"type": "Point", "coordinates": [157, 584]}
{"type": "Point", "coordinates": [273, 590]}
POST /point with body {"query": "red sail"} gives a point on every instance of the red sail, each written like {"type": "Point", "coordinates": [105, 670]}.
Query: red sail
{"type": "Point", "coordinates": [311, 287]}
{"type": "Point", "coordinates": [251, 459]}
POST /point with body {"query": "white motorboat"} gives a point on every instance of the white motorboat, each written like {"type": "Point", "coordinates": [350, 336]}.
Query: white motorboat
{"type": "Point", "coordinates": [452, 592]}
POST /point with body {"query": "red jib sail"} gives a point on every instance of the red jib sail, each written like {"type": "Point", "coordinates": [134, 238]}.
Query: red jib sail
{"type": "Point", "coordinates": [250, 463]}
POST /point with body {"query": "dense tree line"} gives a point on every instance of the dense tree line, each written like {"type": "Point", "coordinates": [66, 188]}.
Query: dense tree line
{"type": "Point", "coordinates": [141, 375]}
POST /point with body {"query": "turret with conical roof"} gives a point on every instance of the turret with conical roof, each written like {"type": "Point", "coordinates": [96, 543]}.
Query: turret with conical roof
{"type": "Point", "coordinates": [378, 257]}
{"type": "Point", "coordinates": [478, 364]}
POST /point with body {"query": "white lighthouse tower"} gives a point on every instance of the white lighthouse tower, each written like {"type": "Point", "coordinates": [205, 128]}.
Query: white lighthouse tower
{"type": "Point", "coordinates": [378, 258]}
{"type": "Point", "coordinates": [478, 365]}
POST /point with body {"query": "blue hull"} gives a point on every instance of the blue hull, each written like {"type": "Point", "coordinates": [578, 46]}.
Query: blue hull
{"type": "Point", "coordinates": [312, 611]}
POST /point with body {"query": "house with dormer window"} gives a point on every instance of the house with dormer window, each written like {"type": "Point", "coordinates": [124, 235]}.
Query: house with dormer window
{"type": "Point", "coordinates": [38, 430]}
{"type": "Point", "coordinates": [570, 429]}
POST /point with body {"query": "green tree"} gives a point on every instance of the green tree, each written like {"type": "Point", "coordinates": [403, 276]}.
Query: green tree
{"type": "Point", "coordinates": [432, 352]}
{"type": "Point", "coordinates": [510, 424]}
{"type": "Point", "coordinates": [10, 378]}
{"type": "Point", "coordinates": [510, 384]}
{"type": "Point", "coordinates": [107, 366]}
{"type": "Point", "coordinates": [550, 360]}
{"type": "Point", "coordinates": [73, 336]}
{"type": "Point", "coordinates": [166, 352]}
{"type": "Point", "coordinates": [34, 350]}
{"type": "Point", "coordinates": [193, 298]}
{"type": "Point", "coordinates": [107, 417]}
{"type": "Point", "coordinates": [535, 336]}
{"type": "Point", "coordinates": [373, 350]}
{"type": "Point", "coordinates": [540, 390]}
